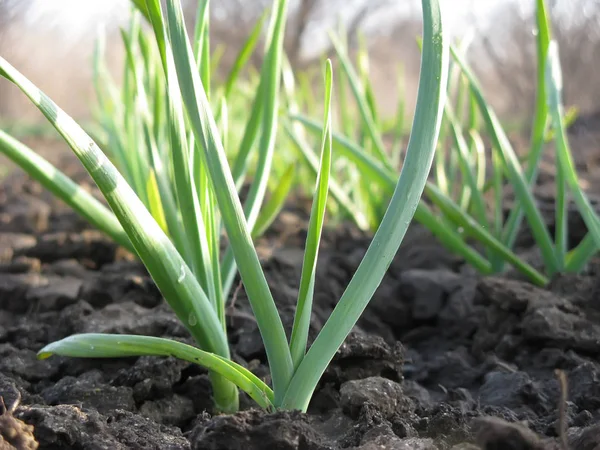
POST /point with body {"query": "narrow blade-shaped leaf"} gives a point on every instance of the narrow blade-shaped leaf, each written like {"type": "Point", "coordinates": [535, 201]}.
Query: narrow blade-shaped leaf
{"type": "Point", "coordinates": [514, 170]}
{"type": "Point", "coordinates": [337, 193]}
{"type": "Point", "coordinates": [276, 202]}
{"type": "Point", "coordinates": [361, 101]}
{"type": "Point", "coordinates": [563, 152]}
{"type": "Point", "coordinates": [93, 345]}
{"type": "Point", "coordinates": [387, 239]}
{"type": "Point", "coordinates": [244, 55]}
{"type": "Point", "coordinates": [301, 325]}
{"type": "Point", "coordinates": [540, 122]}
{"type": "Point", "coordinates": [238, 232]}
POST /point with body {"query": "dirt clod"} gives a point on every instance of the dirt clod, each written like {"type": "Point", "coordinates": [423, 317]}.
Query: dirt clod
{"type": "Point", "coordinates": [442, 359]}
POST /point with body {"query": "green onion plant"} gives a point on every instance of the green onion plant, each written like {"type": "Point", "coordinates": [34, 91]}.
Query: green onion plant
{"type": "Point", "coordinates": [172, 188]}
{"type": "Point", "coordinates": [463, 202]}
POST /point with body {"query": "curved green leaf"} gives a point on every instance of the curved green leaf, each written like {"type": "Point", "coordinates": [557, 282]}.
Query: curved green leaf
{"type": "Point", "coordinates": [387, 239]}
{"type": "Point", "coordinates": [95, 345]}
{"type": "Point", "coordinates": [299, 337]}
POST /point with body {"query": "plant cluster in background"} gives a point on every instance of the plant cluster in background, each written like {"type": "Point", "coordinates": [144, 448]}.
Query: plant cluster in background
{"type": "Point", "coordinates": [463, 203]}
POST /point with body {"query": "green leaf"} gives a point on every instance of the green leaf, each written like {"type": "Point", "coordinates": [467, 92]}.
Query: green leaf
{"type": "Point", "coordinates": [361, 101]}
{"type": "Point", "coordinates": [454, 213]}
{"type": "Point", "coordinates": [337, 193]}
{"type": "Point", "coordinates": [298, 139]}
{"type": "Point", "coordinates": [244, 55]}
{"type": "Point", "coordinates": [371, 169]}
{"type": "Point", "coordinates": [513, 169]}
{"type": "Point", "coordinates": [154, 201]}
{"type": "Point", "coordinates": [563, 152]}
{"type": "Point", "coordinates": [387, 239]}
{"type": "Point", "coordinates": [213, 154]}
{"type": "Point", "coordinates": [276, 202]}
{"type": "Point", "coordinates": [202, 44]}
{"type": "Point", "coordinates": [301, 326]}
{"type": "Point", "coordinates": [269, 90]}
{"type": "Point", "coordinates": [578, 258]}
{"type": "Point", "coordinates": [540, 122]}
{"type": "Point", "coordinates": [91, 345]}
{"type": "Point", "coordinates": [141, 7]}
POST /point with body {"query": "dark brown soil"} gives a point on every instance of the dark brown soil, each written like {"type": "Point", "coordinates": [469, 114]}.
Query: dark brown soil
{"type": "Point", "coordinates": [442, 358]}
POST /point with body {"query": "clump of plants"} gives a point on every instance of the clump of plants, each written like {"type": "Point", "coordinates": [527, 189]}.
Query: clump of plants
{"type": "Point", "coordinates": [172, 191]}
{"type": "Point", "coordinates": [463, 203]}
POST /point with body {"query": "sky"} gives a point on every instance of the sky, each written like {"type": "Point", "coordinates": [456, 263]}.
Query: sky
{"type": "Point", "coordinates": [76, 19]}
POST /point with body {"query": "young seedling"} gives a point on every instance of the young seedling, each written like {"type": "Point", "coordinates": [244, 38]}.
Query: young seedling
{"type": "Point", "coordinates": [295, 369]}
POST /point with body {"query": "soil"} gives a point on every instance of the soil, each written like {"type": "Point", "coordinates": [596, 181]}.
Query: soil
{"type": "Point", "coordinates": [442, 359]}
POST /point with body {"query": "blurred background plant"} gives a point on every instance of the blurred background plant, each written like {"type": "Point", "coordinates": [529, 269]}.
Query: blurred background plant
{"type": "Point", "coordinates": [65, 30]}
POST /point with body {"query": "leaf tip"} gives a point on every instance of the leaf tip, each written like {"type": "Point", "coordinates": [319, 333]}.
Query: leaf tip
{"type": "Point", "coordinates": [44, 353]}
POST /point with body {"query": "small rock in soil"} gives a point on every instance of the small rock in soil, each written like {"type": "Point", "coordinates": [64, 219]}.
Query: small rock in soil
{"type": "Point", "coordinates": [446, 423]}
{"type": "Point", "coordinates": [67, 268]}
{"type": "Point", "coordinates": [70, 428]}
{"type": "Point", "coordinates": [89, 391]}
{"type": "Point", "coordinates": [29, 333]}
{"type": "Point", "coordinates": [369, 356]}
{"type": "Point", "coordinates": [9, 393]}
{"type": "Point", "coordinates": [585, 439]}
{"type": "Point", "coordinates": [56, 293]}
{"type": "Point", "coordinates": [173, 410]}
{"type": "Point", "coordinates": [561, 328]}
{"type": "Point", "coordinates": [496, 433]}
{"type": "Point", "coordinates": [382, 437]}
{"type": "Point", "coordinates": [584, 386]}
{"type": "Point", "coordinates": [257, 430]}
{"type": "Point", "coordinates": [28, 214]}
{"type": "Point", "coordinates": [21, 264]}
{"type": "Point", "coordinates": [512, 295]}
{"type": "Point", "coordinates": [14, 288]}
{"type": "Point", "coordinates": [450, 369]}
{"type": "Point", "coordinates": [14, 244]}
{"type": "Point", "coordinates": [72, 317]}
{"type": "Point", "coordinates": [110, 288]}
{"type": "Point", "coordinates": [384, 395]}
{"type": "Point", "coordinates": [582, 419]}
{"type": "Point", "coordinates": [90, 245]}
{"type": "Point", "coordinates": [130, 318]}
{"type": "Point", "coordinates": [459, 307]}
{"type": "Point", "coordinates": [199, 390]}
{"type": "Point", "coordinates": [510, 390]}
{"type": "Point", "coordinates": [420, 396]}
{"type": "Point", "coordinates": [24, 364]}
{"type": "Point", "coordinates": [150, 377]}
{"type": "Point", "coordinates": [427, 290]}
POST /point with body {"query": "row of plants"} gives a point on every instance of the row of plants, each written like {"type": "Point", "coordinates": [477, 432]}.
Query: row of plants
{"type": "Point", "coordinates": [464, 200]}
{"type": "Point", "coordinates": [180, 144]}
